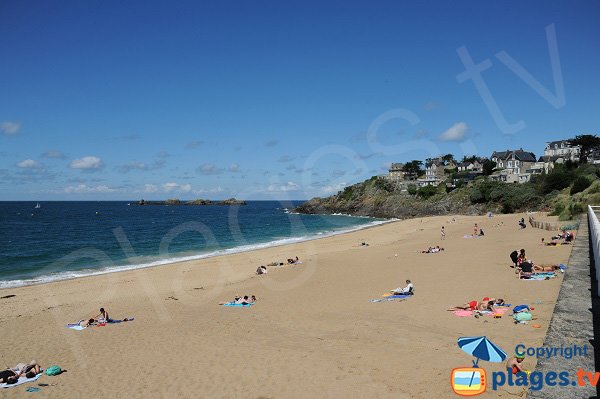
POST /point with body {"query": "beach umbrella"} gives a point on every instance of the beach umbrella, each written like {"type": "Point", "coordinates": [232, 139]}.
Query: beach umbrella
{"type": "Point", "coordinates": [482, 348]}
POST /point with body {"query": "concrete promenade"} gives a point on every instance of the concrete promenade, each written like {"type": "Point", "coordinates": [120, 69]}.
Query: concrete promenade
{"type": "Point", "coordinates": [573, 322]}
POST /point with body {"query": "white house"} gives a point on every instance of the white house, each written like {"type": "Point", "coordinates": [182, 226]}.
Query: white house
{"type": "Point", "coordinates": [561, 151]}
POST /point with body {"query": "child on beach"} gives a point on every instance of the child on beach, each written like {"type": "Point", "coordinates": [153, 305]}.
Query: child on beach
{"type": "Point", "coordinates": [514, 364]}
{"type": "Point", "coordinates": [475, 230]}
{"type": "Point", "coordinates": [443, 232]}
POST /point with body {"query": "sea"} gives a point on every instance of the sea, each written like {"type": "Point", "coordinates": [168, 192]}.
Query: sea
{"type": "Point", "coordinates": [65, 240]}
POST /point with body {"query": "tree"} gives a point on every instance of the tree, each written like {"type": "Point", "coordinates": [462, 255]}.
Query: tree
{"type": "Point", "coordinates": [413, 168]}
{"type": "Point", "coordinates": [448, 158]}
{"type": "Point", "coordinates": [588, 143]}
{"type": "Point", "coordinates": [488, 167]}
{"type": "Point", "coordinates": [471, 158]}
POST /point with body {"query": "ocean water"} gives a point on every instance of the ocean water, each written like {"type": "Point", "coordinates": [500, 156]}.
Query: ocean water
{"type": "Point", "coordinates": [63, 240]}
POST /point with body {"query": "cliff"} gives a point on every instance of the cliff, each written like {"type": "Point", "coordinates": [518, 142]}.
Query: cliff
{"type": "Point", "coordinates": [379, 198]}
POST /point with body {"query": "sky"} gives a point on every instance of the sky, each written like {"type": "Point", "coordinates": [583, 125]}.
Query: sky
{"type": "Point", "coordinates": [112, 100]}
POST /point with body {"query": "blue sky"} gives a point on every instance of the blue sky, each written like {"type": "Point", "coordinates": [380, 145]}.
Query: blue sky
{"type": "Point", "coordinates": [268, 100]}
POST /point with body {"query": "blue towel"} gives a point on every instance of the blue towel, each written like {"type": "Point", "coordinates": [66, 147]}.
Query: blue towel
{"type": "Point", "coordinates": [241, 305]}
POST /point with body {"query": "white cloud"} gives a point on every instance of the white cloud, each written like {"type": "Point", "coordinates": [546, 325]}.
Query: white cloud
{"type": "Point", "coordinates": [289, 186]}
{"type": "Point", "coordinates": [218, 189]}
{"type": "Point", "coordinates": [208, 169]}
{"type": "Point", "coordinates": [134, 165]}
{"type": "Point", "coordinates": [88, 162]}
{"type": "Point", "coordinates": [10, 128]}
{"type": "Point", "coordinates": [29, 164]}
{"type": "Point", "coordinates": [150, 188]}
{"type": "Point", "coordinates": [83, 188]}
{"type": "Point", "coordinates": [168, 187]}
{"type": "Point", "coordinates": [333, 188]}
{"type": "Point", "coordinates": [172, 186]}
{"type": "Point", "coordinates": [455, 133]}
{"type": "Point", "coordinates": [234, 167]}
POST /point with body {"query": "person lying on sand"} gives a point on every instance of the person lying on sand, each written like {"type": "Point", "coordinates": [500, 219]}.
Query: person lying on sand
{"type": "Point", "coordinates": [474, 305]}
{"type": "Point", "coordinates": [546, 268]}
{"type": "Point", "coordinates": [261, 270]}
{"type": "Point", "coordinates": [238, 300]}
{"type": "Point", "coordinates": [11, 376]}
{"type": "Point", "coordinates": [433, 250]}
{"type": "Point", "coordinates": [408, 290]}
{"type": "Point", "coordinates": [292, 261]}
{"type": "Point", "coordinates": [497, 302]}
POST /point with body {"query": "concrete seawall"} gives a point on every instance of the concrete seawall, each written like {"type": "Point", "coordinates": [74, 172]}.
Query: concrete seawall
{"type": "Point", "coordinates": [573, 322]}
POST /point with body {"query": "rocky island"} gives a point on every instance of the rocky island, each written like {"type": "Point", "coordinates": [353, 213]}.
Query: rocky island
{"type": "Point", "coordinates": [200, 201]}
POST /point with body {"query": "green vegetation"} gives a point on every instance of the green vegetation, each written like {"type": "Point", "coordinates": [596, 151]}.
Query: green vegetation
{"type": "Point", "coordinates": [566, 192]}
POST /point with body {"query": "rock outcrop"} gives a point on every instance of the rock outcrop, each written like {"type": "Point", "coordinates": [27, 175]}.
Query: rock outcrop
{"type": "Point", "coordinates": [196, 202]}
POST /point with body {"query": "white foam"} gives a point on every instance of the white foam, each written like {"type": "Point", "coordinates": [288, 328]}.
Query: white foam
{"type": "Point", "coordinates": [68, 275]}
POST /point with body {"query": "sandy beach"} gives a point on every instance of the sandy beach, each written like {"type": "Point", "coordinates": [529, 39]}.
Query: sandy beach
{"type": "Point", "coordinates": [313, 332]}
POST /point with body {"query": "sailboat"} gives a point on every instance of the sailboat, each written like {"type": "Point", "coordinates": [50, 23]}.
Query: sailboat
{"type": "Point", "coordinates": [38, 206]}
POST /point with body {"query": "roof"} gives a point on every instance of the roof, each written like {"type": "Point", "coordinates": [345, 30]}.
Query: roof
{"type": "Point", "coordinates": [524, 156]}
{"type": "Point", "coordinates": [519, 154]}
{"type": "Point", "coordinates": [559, 142]}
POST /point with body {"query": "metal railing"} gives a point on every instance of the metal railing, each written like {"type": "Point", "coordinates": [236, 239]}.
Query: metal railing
{"type": "Point", "coordinates": [595, 238]}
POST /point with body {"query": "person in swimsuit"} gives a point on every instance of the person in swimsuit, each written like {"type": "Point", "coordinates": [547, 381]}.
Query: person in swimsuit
{"type": "Point", "coordinates": [11, 376]}
{"type": "Point", "coordinates": [474, 305]}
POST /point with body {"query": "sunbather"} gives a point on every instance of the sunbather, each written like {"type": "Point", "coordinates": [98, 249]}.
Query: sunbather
{"type": "Point", "coordinates": [261, 270]}
{"type": "Point", "coordinates": [546, 268]}
{"type": "Point", "coordinates": [474, 305]}
{"type": "Point", "coordinates": [408, 290]}
{"type": "Point", "coordinates": [497, 302]}
{"type": "Point", "coordinates": [238, 300]}
{"type": "Point", "coordinates": [11, 376]}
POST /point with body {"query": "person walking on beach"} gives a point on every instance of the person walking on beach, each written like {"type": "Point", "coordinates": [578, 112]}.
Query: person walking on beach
{"type": "Point", "coordinates": [475, 229]}
{"type": "Point", "coordinates": [443, 232]}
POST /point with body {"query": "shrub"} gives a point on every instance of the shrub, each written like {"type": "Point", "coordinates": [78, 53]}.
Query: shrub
{"type": "Point", "coordinates": [557, 180]}
{"type": "Point", "coordinates": [412, 189]}
{"type": "Point", "coordinates": [476, 196]}
{"type": "Point", "coordinates": [427, 191]}
{"type": "Point", "coordinates": [580, 184]}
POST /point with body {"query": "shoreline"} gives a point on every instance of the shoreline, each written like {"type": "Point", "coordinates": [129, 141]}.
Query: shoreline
{"type": "Point", "coordinates": [313, 321]}
{"type": "Point", "coordinates": [5, 284]}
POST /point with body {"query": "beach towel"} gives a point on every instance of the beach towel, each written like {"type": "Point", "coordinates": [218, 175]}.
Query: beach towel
{"type": "Point", "coordinates": [471, 236]}
{"type": "Point", "coordinates": [22, 380]}
{"type": "Point", "coordinates": [540, 276]}
{"type": "Point", "coordinates": [390, 297]}
{"type": "Point", "coordinates": [240, 305]}
{"type": "Point", "coordinates": [463, 313]}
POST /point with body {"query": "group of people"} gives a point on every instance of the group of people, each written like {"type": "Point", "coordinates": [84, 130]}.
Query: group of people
{"type": "Point", "coordinates": [522, 224]}
{"type": "Point", "coordinates": [11, 375]}
{"type": "Point", "coordinates": [432, 250]}
{"type": "Point", "coordinates": [100, 319]}
{"type": "Point", "coordinates": [525, 267]}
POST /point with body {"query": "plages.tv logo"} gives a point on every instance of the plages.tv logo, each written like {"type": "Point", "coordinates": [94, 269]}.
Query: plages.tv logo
{"type": "Point", "coordinates": [471, 381]}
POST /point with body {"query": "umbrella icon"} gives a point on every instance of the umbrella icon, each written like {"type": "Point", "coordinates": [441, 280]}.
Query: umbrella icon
{"type": "Point", "coordinates": [482, 348]}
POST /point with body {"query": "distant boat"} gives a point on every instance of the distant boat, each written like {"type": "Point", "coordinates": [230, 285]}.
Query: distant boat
{"type": "Point", "coordinates": [38, 206]}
